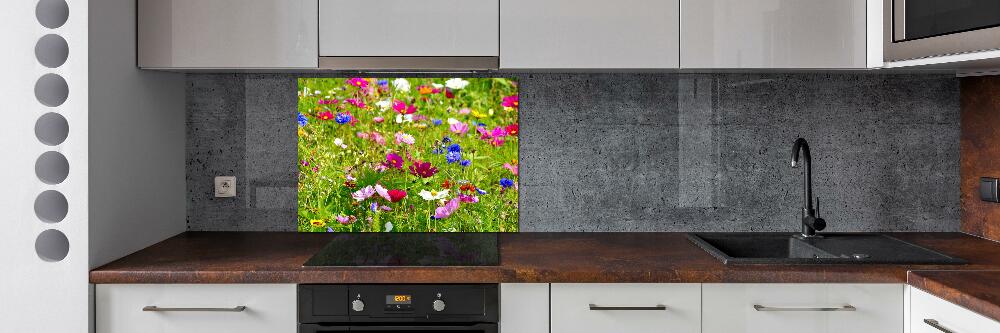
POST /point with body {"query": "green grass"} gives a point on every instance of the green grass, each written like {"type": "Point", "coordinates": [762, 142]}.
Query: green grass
{"type": "Point", "coordinates": [329, 174]}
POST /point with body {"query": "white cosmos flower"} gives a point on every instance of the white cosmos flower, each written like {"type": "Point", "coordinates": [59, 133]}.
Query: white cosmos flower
{"type": "Point", "coordinates": [437, 85]}
{"type": "Point", "coordinates": [339, 143]}
{"type": "Point", "coordinates": [383, 104]}
{"type": "Point", "coordinates": [401, 84]}
{"type": "Point", "coordinates": [433, 195]}
{"type": "Point", "coordinates": [452, 121]}
{"type": "Point", "coordinates": [404, 118]}
{"type": "Point", "coordinates": [388, 226]}
{"type": "Point", "coordinates": [456, 83]}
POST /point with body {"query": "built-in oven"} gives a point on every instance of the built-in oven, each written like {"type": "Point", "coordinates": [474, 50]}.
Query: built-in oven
{"type": "Point", "coordinates": [928, 28]}
{"type": "Point", "coordinates": [388, 308]}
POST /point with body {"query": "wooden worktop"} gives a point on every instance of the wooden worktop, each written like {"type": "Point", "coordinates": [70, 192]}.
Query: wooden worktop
{"type": "Point", "coordinates": [266, 257]}
{"type": "Point", "coordinates": [974, 290]}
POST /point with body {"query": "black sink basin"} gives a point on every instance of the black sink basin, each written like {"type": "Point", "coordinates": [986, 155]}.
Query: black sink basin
{"type": "Point", "coordinates": [837, 248]}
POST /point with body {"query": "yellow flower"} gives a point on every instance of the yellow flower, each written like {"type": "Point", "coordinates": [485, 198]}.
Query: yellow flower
{"type": "Point", "coordinates": [302, 132]}
{"type": "Point", "coordinates": [317, 223]}
{"type": "Point", "coordinates": [478, 114]}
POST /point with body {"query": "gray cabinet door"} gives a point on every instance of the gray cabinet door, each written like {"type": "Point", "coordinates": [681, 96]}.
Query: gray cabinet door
{"type": "Point", "coordinates": [773, 34]}
{"type": "Point", "coordinates": [409, 28]}
{"type": "Point", "coordinates": [589, 34]}
{"type": "Point", "coordinates": [228, 33]}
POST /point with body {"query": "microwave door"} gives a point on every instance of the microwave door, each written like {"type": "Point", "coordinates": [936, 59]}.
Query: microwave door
{"type": "Point", "coordinates": [916, 29]}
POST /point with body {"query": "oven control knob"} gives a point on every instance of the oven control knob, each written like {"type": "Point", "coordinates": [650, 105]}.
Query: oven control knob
{"type": "Point", "coordinates": [438, 305]}
{"type": "Point", "coordinates": [358, 305]}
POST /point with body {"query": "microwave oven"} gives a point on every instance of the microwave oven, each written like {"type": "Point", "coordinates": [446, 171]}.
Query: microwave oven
{"type": "Point", "coordinates": [915, 29]}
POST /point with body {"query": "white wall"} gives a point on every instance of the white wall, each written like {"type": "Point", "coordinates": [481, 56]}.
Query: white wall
{"type": "Point", "coordinates": [137, 186]}
{"type": "Point", "coordinates": [38, 295]}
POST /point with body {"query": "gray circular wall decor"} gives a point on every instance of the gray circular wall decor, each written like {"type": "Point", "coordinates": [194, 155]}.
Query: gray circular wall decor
{"type": "Point", "coordinates": [51, 90]}
{"type": "Point", "coordinates": [51, 50]}
{"type": "Point", "coordinates": [52, 167]}
{"type": "Point", "coordinates": [52, 245]}
{"type": "Point", "coordinates": [51, 206]}
{"type": "Point", "coordinates": [52, 129]}
{"type": "Point", "coordinates": [52, 13]}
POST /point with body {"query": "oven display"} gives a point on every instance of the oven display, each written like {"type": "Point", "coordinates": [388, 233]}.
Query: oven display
{"type": "Point", "coordinates": [398, 302]}
{"type": "Point", "coordinates": [398, 299]}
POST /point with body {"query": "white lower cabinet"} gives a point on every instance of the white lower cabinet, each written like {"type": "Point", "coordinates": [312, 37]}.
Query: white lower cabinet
{"type": "Point", "coordinates": [625, 308]}
{"type": "Point", "coordinates": [802, 308]}
{"type": "Point", "coordinates": [195, 308]}
{"type": "Point", "coordinates": [930, 314]}
{"type": "Point", "coordinates": [524, 307]}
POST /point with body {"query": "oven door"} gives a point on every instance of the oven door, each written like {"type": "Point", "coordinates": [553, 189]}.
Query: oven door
{"type": "Point", "coordinates": [475, 328]}
{"type": "Point", "coordinates": [916, 29]}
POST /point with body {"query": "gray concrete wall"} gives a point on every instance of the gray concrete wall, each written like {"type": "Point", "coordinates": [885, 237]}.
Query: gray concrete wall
{"type": "Point", "coordinates": [640, 152]}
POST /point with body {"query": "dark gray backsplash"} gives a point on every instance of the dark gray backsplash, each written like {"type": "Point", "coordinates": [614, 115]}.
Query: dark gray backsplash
{"type": "Point", "coordinates": [640, 152]}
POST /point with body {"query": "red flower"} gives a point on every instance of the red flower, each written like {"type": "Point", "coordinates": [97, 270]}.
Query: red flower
{"type": "Point", "coordinates": [396, 195]}
{"type": "Point", "coordinates": [512, 129]}
{"type": "Point", "coordinates": [423, 169]}
{"type": "Point", "coordinates": [446, 184]}
{"type": "Point", "coordinates": [448, 93]}
{"type": "Point", "coordinates": [325, 115]}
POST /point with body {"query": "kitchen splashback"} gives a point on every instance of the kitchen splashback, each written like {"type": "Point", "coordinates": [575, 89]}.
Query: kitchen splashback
{"type": "Point", "coordinates": [639, 152]}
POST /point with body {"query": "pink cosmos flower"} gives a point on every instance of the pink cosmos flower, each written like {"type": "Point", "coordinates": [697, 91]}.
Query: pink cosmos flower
{"type": "Point", "coordinates": [364, 193]}
{"type": "Point", "coordinates": [393, 161]}
{"type": "Point", "coordinates": [343, 219]}
{"type": "Point", "coordinates": [356, 102]}
{"type": "Point", "coordinates": [378, 138]}
{"type": "Point", "coordinates": [382, 192]}
{"type": "Point", "coordinates": [510, 102]}
{"type": "Point", "coordinates": [468, 198]}
{"type": "Point", "coordinates": [423, 169]}
{"type": "Point", "coordinates": [459, 128]}
{"type": "Point", "coordinates": [404, 138]}
{"type": "Point", "coordinates": [358, 82]}
{"type": "Point", "coordinates": [512, 168]}
{"type": "Point", "coordinates": [401, 107]}
{"type": "Point", "coordinates": [325, 115]}
{"type": "Point", "coordinates": [378, 120]}
{"type": "Point", "coordinates": [464, 111]}
{"type": "Point", "coordinates": [448, 209]}
{"type": "Point", "coordinates": [327, 101]}
{"type": "Point", "coordinates": [494, 137]}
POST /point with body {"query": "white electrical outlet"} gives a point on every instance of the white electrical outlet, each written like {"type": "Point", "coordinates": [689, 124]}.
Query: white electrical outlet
{"type": "Point", "coordinates": [225, 187]}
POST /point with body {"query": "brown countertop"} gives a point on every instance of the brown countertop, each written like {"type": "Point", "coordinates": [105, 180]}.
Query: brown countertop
{"type": "Point", "coordinates": [266, 257]}
{"type": "Point", "coordinates": [975, 290]}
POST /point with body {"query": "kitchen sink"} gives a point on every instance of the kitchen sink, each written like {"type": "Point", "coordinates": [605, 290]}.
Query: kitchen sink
{"type": "Point", "coordinates": [831, 248]}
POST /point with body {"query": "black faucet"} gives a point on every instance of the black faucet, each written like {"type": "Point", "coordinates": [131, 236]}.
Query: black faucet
{"type": "Point", "coordinates": [810, 221]}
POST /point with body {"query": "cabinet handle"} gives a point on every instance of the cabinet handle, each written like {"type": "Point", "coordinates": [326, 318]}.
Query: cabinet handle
{"type": "Point", "coordinates": [154, 308]}
{"type": "Point", "coordinates": [657, 307]}
{"type": "Point", "coordinates": [759, 307]}
{"type": "Point", "coordinates": [935, 324]}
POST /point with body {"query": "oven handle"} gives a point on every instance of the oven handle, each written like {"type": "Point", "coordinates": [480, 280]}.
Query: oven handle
{"type": "Point", "coordinates": [485, 328]}
{"type": "Point", "coordinates": [314, 328]}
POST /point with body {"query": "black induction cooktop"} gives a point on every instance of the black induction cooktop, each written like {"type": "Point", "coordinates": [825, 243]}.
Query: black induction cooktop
{"type": "Point", "coordinates": [409, 249]}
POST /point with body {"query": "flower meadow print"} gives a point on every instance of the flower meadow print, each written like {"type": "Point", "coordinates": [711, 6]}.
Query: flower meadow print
{"type": "Point", "coordinates": [407, 155]}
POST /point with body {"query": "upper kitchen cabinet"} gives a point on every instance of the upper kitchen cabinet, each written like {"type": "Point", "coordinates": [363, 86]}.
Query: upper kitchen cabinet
{"type": "Point", "coordinates": [780, 34]}
{"type": "Point", "coordinates": [407, 34]}
{"type": "Point", "coordinates": [193, 34]}
{"type": "Point", "coordinates": [589, 34]}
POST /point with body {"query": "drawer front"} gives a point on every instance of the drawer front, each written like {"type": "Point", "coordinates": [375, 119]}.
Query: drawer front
{"type": "Point", "coordinates": [946, 315]}
{"type": "Point", "coordinates": [802, 308]}
{"type": "Point", "coordinates": [680, 307]}
{"type": "Point", "coordinates": [269, 308]}
{"type": "Point", "coordinates": [407, 28]}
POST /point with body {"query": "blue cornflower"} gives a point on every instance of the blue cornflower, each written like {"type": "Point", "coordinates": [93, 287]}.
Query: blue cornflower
{"type": "Point", "coordinates": [303, 120]}
{"type": "Point", "coordinates": [480, 191]}
{"type": "Point", "coordinates": [328, 229]}
{"type": "Point", "coordinates": [343, 118]}
{"type": "Point", "coordinates": [374, 207]}
{"type": "Point", "coordinates": [453, 156]}
{"type": "Point", "coordinates": [465, 163]}
{"type": "Point", "coordinates": [436, 122]}
{"type": "Point", "coordinates": [446, 139]}
{"type": "Point", "coordinates": [383, 83]}
{"type": "Point", "coordinates": [437, 151]}
{"type": "Point", "coordinates": [506, 182]}
{"type": "Point", "coordinates": [455, 148]}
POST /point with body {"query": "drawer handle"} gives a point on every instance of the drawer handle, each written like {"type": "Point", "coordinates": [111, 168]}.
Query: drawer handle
{"type": "Point", "coordinates": [935, 324]}
{"type": "Point", "coordinates": [759, 307]}
{"type": "Point", "coordinates": [154, 308]}
{"type": "Point", "coordinates": [657, 307]}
